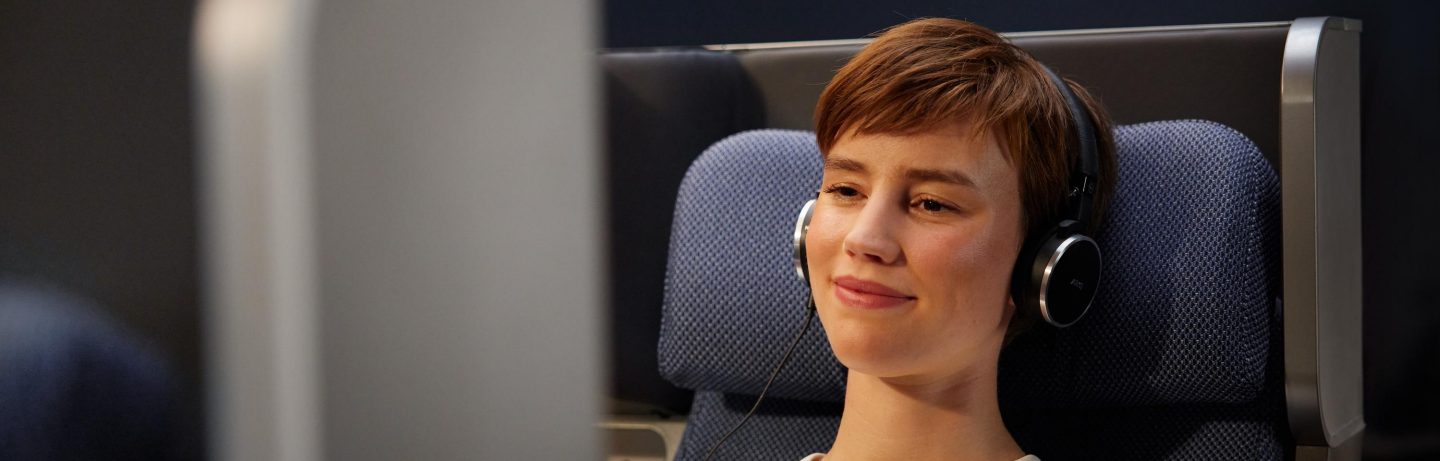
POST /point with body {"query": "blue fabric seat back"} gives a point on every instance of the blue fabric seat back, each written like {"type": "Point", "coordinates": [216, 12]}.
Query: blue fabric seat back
{"type": "Point", "coordinates": [731, 292]}
{"type": "Point", "coordinates": [1184, 332]}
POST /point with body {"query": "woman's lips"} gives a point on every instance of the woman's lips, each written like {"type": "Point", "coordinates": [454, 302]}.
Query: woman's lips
{"type": "Point", "coordinates": [866, 294]}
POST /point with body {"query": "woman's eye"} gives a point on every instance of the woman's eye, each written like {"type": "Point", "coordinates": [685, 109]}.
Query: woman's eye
{"type": "Point", "coordinates": [932, 205]}
{"type": "Point", "coordinates": [843, 191]}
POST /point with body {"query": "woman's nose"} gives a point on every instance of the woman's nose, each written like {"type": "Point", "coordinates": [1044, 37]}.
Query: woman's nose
{"type": "Point", "coordinates": [872, 235]}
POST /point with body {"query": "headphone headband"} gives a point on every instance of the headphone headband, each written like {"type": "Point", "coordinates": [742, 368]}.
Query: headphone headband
{"type": "Point", "coordinates": [1082, 184]}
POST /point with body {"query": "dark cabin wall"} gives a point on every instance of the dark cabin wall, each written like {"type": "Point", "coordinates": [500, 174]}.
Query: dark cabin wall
{"type": "Point", "coordinates": [1401, 107]}
{"type": "Point", "coordinates": [97, 192]}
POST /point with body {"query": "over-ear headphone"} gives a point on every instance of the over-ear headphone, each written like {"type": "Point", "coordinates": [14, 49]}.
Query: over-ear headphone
{"type": "Point", "coordinates": [1058, 271]}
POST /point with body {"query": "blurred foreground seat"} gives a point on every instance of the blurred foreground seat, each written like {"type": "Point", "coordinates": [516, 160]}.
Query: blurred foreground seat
{"type": "Point", "coordinates": [75, 386]}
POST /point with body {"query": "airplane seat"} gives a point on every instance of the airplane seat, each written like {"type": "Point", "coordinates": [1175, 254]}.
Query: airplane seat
{"type": "Point", "coordinates": [1290, 87]}
{"type": "Point", "coordinates": [663, 108]}
{"type": "Point", "coordinates": [1185, 330]}
{"type": "Point", "coordinates": [733, 301]}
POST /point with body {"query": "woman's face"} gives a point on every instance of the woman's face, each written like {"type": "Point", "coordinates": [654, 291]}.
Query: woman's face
{"type": "Point", "coordinates": [911, 248]}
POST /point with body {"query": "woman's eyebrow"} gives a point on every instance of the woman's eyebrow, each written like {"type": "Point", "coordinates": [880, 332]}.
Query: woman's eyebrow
{"type": "Point", "coordinates": [914, 174]}
{"type": "Point", "coordinates": [945, 176]}
{"type": "Point", "coordinates": [836, 163]}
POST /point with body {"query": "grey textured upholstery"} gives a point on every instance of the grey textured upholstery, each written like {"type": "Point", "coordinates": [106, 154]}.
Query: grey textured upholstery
{"type": "Point", "coordinates": [1188, 298]}
{"type": "Point", "coordinates": [731, 293]}
{"type": "Point", "coordinates": [1178, 359]}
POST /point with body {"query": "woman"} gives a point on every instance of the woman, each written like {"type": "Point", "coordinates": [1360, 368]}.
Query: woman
{"type": "Point", "coordinates": [945, 147]}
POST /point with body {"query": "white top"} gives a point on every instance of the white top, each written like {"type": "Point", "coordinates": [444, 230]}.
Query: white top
{"type": "Point", "coordinates": [817, 456]}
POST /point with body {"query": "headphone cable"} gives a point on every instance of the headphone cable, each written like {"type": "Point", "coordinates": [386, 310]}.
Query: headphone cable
{"type": "Point", "coordinates": [783, 360]}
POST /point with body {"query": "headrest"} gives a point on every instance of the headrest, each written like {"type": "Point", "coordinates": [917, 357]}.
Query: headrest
{"type": "Point", "coordinates": [1185, 314]}
{"type": "Point", "coordinates": [732, 299]}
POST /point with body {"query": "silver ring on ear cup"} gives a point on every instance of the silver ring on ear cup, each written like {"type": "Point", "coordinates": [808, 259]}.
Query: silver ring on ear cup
{"type": "Point", "coordinates": [1073, 267]}
{"type": "Point", "coordinates": [802, 225]}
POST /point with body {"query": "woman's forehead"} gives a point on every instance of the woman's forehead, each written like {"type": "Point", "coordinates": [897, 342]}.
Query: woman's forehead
{"type": "Point", "coordinates": [954, 152]}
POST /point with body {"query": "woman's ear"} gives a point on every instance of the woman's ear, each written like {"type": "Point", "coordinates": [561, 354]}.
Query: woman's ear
{"type": "Point", "coordinates": [1010, 311]}
{"type": "Point", "coordinates": [1018, 323]}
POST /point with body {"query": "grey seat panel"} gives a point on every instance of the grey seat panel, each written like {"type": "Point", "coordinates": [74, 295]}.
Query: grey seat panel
{"type": "Point", "coordinates": [1230, 76]}
{"type": "Point", "coordinates": [790, 81]}
{"type": "Point", "coordinates": [1227, 76]}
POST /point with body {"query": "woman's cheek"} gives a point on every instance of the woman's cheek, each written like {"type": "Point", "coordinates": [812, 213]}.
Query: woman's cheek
{"type": "Point", "coordinates": [821, 246]}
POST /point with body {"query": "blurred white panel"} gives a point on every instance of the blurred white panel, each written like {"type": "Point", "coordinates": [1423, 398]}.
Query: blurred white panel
{"type": "Point", "coordinates": [256, 183]}
{"type": "Point", "coordinates": [459, 230]}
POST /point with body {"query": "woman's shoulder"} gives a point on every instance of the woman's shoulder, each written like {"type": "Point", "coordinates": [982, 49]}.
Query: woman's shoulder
{"type": "Point", "coordinates": [817, 456]}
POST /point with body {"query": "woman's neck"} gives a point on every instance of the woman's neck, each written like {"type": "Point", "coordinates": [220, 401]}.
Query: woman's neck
{"type": "Point", "coordinates": [954, 418]}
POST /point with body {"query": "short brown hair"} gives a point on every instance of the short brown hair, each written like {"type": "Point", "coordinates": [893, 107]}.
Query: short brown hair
{"type": "Point", "coordinates": [928, 72]}
{"type": "Point", "coordinates": [924, 73]}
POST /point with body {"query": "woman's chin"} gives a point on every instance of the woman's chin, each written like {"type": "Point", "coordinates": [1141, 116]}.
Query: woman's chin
{"type": "Point", "coordinates": [878, 346]}
{"type": "Point", "coordinates": [872, 354]}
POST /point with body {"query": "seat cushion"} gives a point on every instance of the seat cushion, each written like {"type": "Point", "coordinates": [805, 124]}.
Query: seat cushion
{"type": "Point", "coordinates": [790, 429]}
{"type": "Point", "coordinates": [781, 430]}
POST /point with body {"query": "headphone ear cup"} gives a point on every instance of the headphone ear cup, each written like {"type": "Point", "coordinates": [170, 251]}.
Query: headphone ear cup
{"type": "Point", "coordinates": [802, 263]}
{"type": "Point", "coordinates": [1022, 288]}
{"type": "Point", "coordinates": [802, 226]}
{"type": "Point", "coordinates": [1057, 279]}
